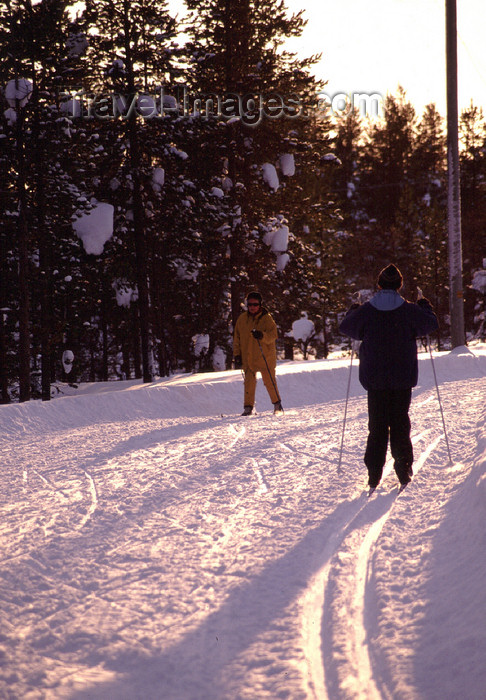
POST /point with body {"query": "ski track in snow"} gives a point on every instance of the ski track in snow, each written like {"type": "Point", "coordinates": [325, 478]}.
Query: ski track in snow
{"type": "Point", "coordinates": [214, 559]}
{"type": "Point", "coordinates": [357, 654]}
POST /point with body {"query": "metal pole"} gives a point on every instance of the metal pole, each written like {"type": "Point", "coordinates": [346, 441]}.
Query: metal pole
{"type": "Point", "coordinates": [346, 409]}
{"type": "Point", "coordinates": [456, 298]}
{"type": "Point", "coordinates": [440, 402]}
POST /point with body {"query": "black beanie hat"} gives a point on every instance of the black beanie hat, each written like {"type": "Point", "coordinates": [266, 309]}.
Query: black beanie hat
{"type": "Point", "coordinates": [254, 295]}
{"type": "Point", "coordinates": [390, 278]}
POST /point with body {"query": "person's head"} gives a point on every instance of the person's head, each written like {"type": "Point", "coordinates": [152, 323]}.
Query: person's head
{"type": "Point", "coordinates": [390, 278]}
{"type": "Point", "coordinates": [254, 302]}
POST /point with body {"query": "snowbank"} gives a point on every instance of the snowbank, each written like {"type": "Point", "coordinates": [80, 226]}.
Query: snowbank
{"type": "Point", "coordinates": [302, 383]}
{"type": "Point", "coordinates": [154, 548]}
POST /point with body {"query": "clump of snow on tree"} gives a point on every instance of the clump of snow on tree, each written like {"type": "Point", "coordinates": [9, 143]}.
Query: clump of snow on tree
{"type": "Point", "coordinates": [270, 176]}
{"type": "Point", "coordinates": [219, 359]}
{"type": "Point", "coordinates": [200, 343]}
{"type": "Point", "coordinates": [158, 179]}
{"type": "Point", "coordinates": [95, 227]}
{"type": "Point", "coordinates": [331, 158]}
{"type": "Point", "coordinates": [67, 360]}
{"type": "Point", "coordinates": [303, 329]}
{"type": "Point", "coordinates": [117, 68]}
{"type": "Point", "coordinates": [217, 192]}
{"type": "Point", "coordinates": [479, 280]}
{"type": "Point", "coordinates": [18, 92]}
{"type": "Point", "coordinates": [76, 44]}
{"type": "Point", "coordinates": [179, 153]}
{"type": "Point", "coordinates": [282, 261]}
{"type": "Point", "coordinates": [10, 115]}
{"type": "Point", "coordinates": [184, 271]}
{"type": "Point", "coordinates": [287, 164]}
{"type": "Point", "coordinates": [277, 238]}
{"type": "Point", "coordinates": [124, 293]}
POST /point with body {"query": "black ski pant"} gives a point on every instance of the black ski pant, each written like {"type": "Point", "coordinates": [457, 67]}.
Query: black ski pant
{"type": "Point", "coordinates": [388, 415]}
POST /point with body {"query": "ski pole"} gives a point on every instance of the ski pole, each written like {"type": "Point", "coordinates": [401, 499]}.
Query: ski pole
{"type": "Point", "coordinates": [440, 402]}
{"type": "Point", "coordinates": [346, 408]}
{"type": "Point", "coordinates": [356, 301]}
{"type": "Point", "coordinates": [420, 295]}
{"type": "Point", "coordinates": [268, 370]}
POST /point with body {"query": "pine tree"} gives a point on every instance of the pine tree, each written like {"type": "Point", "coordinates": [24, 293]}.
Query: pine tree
{"type": "Point", "coordinates": [133, 53]}
{"type": "Point", "coordinates": [236, 59]}
{"type": "Point", "coordinates": [388, 156]}
{"type": "Point", "coordinates": [35, 61]}
{"type": "Point", "coordinates": [472, 130]}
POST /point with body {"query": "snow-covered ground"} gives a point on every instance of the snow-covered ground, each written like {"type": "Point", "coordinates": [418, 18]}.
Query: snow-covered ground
{"type": "Point", "coordinates": [157, 546]}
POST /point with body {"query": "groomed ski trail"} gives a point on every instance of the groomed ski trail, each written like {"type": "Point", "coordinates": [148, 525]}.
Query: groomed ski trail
{"type": "Point", "coordinates": [342, 662]}
{"type": "Point", "coordinates": [216, 559]}
{"type": "Point", "coordinates": [356, 656]}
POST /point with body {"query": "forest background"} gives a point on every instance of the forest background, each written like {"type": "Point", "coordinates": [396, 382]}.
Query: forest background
{"type": "Point", "coordinates": [152, 172]}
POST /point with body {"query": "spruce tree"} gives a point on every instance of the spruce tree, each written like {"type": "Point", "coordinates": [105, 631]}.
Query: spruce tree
{"type": "Point", "coordinates": [132, 51]}
{"type": "Point", "coordinates": [35, 36]}
{"type": "Point", "coordinates": [265, 97]}
{"type": "Point", "coordinates": [472, 130]}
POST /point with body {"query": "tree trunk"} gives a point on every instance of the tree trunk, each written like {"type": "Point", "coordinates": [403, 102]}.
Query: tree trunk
{"type": "Point", "coordinates": [45, 258]}
{"type": "Point", "coordinates": [140, 250]}
{"type": "Point", "coordinates": [138, 212]}
{"type": "Point", "coordinates": [104, 332]}
{"type": "Point", "coordinates": [4, 395]}
{"type": "Point", "coordinates": [23, 246]}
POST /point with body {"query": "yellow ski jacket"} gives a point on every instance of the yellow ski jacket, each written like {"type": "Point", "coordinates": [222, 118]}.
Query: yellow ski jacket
{"type": "Point", "coordinates": [246, 345]}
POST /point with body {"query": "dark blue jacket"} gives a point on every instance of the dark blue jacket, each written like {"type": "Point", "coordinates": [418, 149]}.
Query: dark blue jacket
{"type": "Point", "coordinates": [388, 327]}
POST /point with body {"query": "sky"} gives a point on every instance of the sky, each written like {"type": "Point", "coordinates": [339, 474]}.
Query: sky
{"type": "Point", "coordinates": [376, 45]}
{"type": "Point", "coordinates": [155, 544]}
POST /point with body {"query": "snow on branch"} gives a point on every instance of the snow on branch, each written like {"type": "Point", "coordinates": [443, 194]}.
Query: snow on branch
{"type": "Point", "coordinates": [95, 227]}
{"type": "Point", "coordinates": [270, 176]}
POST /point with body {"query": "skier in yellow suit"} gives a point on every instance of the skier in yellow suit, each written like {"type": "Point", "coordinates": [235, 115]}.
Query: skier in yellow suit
{"type": "Point", "coordinates": [254, 350]}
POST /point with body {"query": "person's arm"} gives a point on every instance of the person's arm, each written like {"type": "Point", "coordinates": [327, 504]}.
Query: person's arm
{"type": "Point", "coordinates": [267, 328]}
{"type": "Point", "coordinates": [351, 324]}
{"type": "Point", "coordinates": [237, 342]}
{"type": "Point", "coordinates": [426, 319]}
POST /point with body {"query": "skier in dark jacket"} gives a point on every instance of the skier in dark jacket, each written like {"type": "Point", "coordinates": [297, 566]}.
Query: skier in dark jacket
{"type": "Point", "coordinates": [388, 326]}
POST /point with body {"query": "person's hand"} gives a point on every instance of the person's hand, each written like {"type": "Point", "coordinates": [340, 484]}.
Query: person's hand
{"type": "Point", "coordinates": [238, 362]}
{"type": "Point", "coordinates": [356, 301]}
{"type": "Point", "coordinates": [256, 334]}
{"type": "Point", "coordinates": [421, 300]}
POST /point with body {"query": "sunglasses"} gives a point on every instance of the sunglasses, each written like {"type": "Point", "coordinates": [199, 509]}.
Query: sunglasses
{"type": "Point", "coordinates": [253, 304]}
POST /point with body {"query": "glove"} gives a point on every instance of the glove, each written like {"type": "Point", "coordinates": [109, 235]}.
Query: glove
{"type": "Point", "coordinates": [421, 300]}
{"type": "Point", "coordinates": [238, 362]}
{"type": "Point", "coordinates": [356, 301]}
{"type": "Point", "coordinates": [256, 334]}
